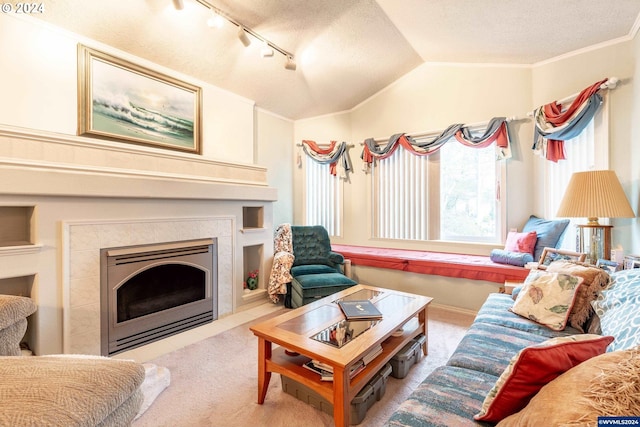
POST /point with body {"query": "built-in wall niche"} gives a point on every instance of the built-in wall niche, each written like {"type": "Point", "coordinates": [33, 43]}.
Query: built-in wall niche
{"type": "Point", "coordinates": [16, 225]}
{"type": "Point", "coordinates": [252, 217]}
{"type": "Point", "coordinates": [22, 287]}
{"type": "Point", "coordinates": [252, 260]}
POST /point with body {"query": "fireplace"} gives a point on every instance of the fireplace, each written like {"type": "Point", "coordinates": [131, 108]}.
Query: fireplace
{"type": "Point", "coordinates": [149, 292]}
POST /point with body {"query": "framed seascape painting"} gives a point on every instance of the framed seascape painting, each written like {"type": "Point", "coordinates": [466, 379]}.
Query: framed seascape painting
{"type": "Point", "coordinates": [122, 101]}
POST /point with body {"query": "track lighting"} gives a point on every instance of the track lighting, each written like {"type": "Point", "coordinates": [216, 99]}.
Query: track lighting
{"type": "Point", "coordinates": [242, 35]}
{"type": "Point", "coordinates": [178, 4]}
{"type": "Point", "coordinates": [290, 64]}
{"type": "Point", "coordinates": [218, 17]}
{"type": "Point", "coordinates": [266, 51]}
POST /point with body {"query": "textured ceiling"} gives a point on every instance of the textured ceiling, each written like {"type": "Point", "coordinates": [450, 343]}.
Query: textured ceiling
{"type": "Point", "coordinates": [346, 50]}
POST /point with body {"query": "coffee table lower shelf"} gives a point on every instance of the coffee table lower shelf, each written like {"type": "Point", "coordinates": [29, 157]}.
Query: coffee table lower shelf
{"type": "Point", "coordinates": [291, 366]}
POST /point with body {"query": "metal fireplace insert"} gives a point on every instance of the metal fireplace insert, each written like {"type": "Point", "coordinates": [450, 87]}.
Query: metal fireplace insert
{"type": "Point", "coordinates": [149, 292]}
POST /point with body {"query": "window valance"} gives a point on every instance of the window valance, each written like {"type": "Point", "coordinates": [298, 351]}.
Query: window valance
{"type": "Point", "coordinates": [331, 155]}
{"type": "Point", "coordinates": [496, 131]}
{"type": "Point", "coordinates": [553, 125]}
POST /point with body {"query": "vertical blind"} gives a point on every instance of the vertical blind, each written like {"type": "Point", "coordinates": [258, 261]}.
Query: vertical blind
{"type": "Point", "coordinates": [323, 197]}
{"type": "Point", "coordinates": [399, 196]}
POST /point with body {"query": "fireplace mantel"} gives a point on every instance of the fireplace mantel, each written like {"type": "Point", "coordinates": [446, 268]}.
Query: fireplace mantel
{"type": "Point", "coordinates": [46, 163]}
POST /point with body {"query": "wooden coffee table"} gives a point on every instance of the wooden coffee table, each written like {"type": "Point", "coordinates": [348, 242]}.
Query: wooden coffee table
{"type": "Point", "coordinates": [303, 330]}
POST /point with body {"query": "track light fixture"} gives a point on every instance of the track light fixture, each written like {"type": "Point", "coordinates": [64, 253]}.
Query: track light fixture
{"type": "Point", "coordinates": [243, 33]}
{"type": "Point", "coordinates": [290, 64]}
{"type": "Point", "coordinates": [178, 4]}
{"type": "Point", "coordinates": [266, 51]}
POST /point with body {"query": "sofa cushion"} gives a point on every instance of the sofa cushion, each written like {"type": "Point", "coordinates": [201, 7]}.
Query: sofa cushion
{"type": "Point", "coordinates": [549, 232]}
{"type": "Point", "coordinates": [617, 308]}
{"type": "Point", "coordinates": [535, 366]}
{"type": "Point", "coordinates": [14, 311]}
{"type": "Point", "coordinates": [488, 348]}
{"type": "Point", "coordinates": [594, 280]}
{"type": "Point", "coordinates": [69, 391]}
{"type": "Point", "coordinates": [14, 308]}
{"type": "Point", "coordinates": [449, 396]}
{"type": "Point", "coordinates": [547, 298]}
{"type": "Point", "coordinates": [616, 391]}
{"type": "Point", "coordinates": [495, 310]}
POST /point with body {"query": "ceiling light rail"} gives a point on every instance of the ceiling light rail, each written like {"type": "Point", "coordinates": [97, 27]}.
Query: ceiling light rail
{"type": "Point", "coordinates": [244, 31]}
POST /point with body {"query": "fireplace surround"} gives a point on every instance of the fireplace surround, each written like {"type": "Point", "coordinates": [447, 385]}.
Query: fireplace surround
{"type": "Point", "coordinates": [149, 292]}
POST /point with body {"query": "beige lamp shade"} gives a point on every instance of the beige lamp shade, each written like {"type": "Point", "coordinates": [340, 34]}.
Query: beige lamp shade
{"type": "Point", "coordinates": [593, 195]}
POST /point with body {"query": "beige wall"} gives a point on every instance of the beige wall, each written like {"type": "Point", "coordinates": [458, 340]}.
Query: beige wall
{"type": "Point", "coordinates": [274, 149]}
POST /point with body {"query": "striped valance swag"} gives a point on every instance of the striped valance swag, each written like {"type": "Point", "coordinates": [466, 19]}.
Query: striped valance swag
{"type": "Point", "coordinates": [496, 131]}
{"type": "Point", "coordinates": [331, 155]}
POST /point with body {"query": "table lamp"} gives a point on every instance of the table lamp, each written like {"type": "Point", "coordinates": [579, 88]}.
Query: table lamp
{"type": "Point", "coordinates": [593, 195]}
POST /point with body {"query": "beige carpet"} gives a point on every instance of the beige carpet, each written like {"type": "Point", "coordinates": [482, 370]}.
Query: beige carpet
{"type": "Point", "coordinates": [214, 382]}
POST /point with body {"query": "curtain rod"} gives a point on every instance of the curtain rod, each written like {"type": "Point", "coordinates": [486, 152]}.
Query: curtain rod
{"type": "Point", "coordinates": [473, 126]}
{"type": "Point", "coordinates": [610, 84]}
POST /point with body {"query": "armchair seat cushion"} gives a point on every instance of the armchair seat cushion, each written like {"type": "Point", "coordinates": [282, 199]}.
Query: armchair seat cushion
{"type": "Point", "coordinates": [302, 270]}
{"type": "Point", "coordinates": [309, 282]}
{"type": "Point", "coordinates": [308, 287]}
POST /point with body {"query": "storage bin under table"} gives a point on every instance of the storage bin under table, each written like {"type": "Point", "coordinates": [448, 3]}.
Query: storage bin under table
{"type": "Point", "coordinates": [370, 394]}
{"type": "Point", "coordinates": [309, 287]}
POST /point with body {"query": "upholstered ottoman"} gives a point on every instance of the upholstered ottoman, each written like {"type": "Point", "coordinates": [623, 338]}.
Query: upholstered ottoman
{"type": "Point", "coordinates": [14, 311]}
{"type": "Point", "coordinates": [70, 391]}
{"type": "Point", "coordinates": [309, 287]}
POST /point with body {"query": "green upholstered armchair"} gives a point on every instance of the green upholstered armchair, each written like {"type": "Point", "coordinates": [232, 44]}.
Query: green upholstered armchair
{"type": "Point", "coordinates": [317, 271]}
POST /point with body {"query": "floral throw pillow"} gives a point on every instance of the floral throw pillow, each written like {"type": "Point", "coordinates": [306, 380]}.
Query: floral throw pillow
{"type": "Point", "coordinates": [547, 298]}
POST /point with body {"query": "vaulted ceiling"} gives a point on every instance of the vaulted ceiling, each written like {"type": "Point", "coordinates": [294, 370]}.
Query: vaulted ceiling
{"type": "Point", "coordinates": [346, 50]}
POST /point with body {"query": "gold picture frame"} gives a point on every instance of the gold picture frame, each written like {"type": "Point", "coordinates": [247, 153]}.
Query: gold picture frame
{"type": "Point", "coordinates": [123, 101]}
{"type": "Point", "coordinates": [551, 254]}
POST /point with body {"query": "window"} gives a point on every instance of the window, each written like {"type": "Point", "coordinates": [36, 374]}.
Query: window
{"type": "Point", "coordinates": [450, 195]}
{"type": "Point", "coordinates": [469, 203]}
{"type": "Point", "coordinates": [587, 151]}
{"type": "Point", "coordinates": [323, 197]}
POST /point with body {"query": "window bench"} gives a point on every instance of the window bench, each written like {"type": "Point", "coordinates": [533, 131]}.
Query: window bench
{"type": "Point", "coordinates": [475, 267]}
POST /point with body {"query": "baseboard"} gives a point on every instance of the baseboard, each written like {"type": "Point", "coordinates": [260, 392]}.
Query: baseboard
{"type": "Point", "coordinates": [453, 309]}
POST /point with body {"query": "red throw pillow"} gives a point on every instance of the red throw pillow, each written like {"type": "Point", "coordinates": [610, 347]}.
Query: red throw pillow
{"type": "Point", "coordinates": [521, 242]}
{"type": "Point", "coordinates": [535, 366]}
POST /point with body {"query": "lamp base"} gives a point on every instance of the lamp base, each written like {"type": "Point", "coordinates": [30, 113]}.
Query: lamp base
{"type": "Point", "coordinates": [595, 241]}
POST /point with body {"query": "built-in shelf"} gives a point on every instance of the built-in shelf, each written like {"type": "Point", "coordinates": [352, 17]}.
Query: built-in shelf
{"type": "Point", "coordinates": [252, 261]}
{"type": "Point", "coordinates": [252, 217]}
{"type": "Point", "coordinates": [16, 226]}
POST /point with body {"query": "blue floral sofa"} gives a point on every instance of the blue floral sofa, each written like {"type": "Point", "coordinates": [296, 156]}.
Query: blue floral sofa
{"type": "Point", "coordinates": [484, 365]}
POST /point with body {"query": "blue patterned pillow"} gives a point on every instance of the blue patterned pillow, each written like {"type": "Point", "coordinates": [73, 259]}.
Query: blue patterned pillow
{"type": "Point", "coordinates": [618, 308]}
{"type": "Point", "coordinates": [549, 232]}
